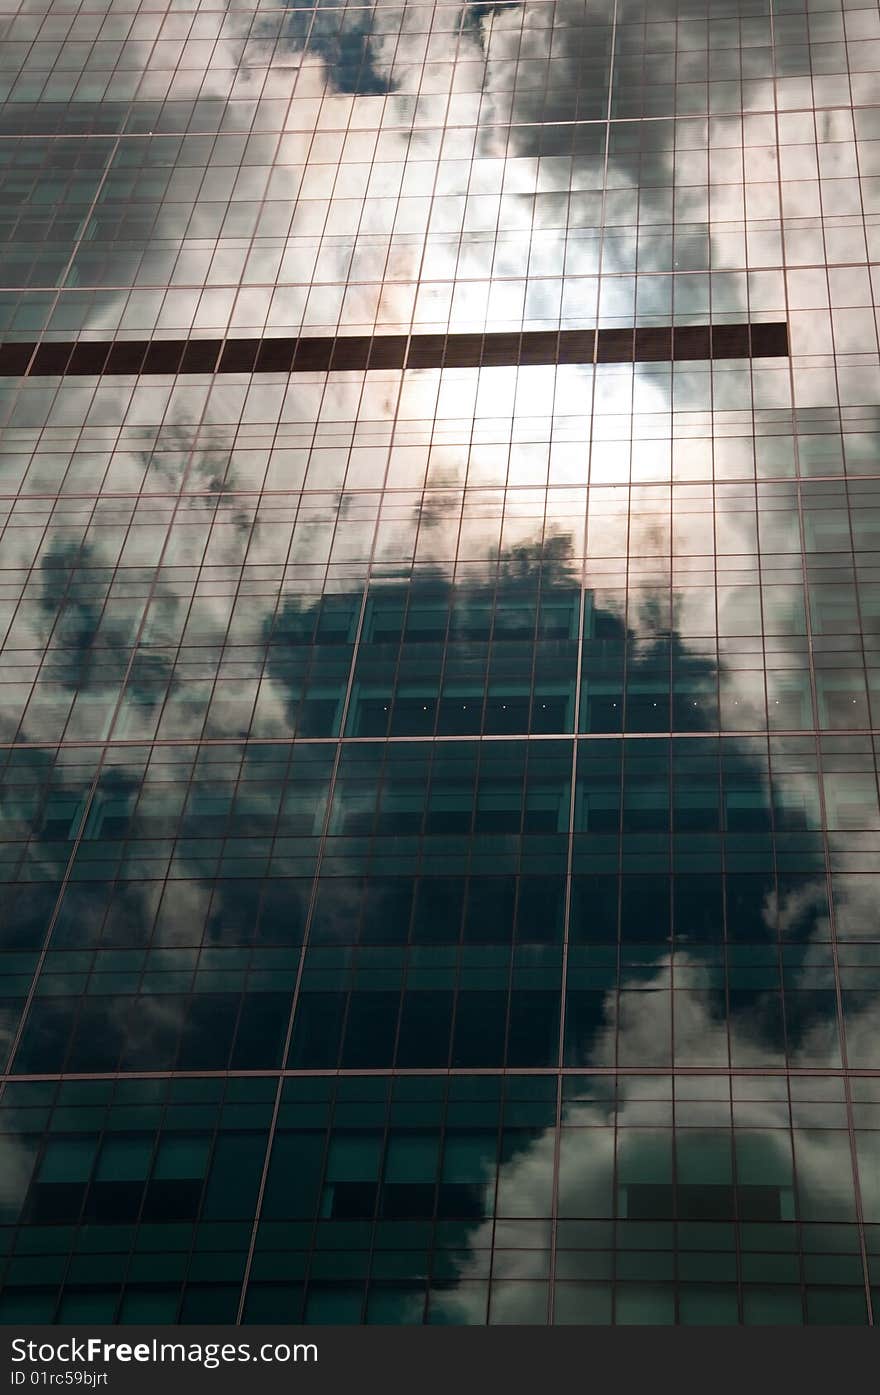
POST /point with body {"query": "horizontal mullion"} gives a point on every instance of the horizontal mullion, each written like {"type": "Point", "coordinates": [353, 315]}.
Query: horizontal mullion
{"type": "Point", "coordinates": [360, 353]}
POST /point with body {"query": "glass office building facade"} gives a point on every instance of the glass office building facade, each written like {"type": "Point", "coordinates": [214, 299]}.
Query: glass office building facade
{"type": "Point", "coordinates": [440, 687]}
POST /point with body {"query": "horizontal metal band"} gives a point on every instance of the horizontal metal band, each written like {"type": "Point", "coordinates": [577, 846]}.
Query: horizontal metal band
{"type": "Point", "coordinates": [357, 353]}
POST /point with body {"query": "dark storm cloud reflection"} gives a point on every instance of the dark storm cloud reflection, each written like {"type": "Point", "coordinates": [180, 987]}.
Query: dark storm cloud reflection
{"type": "Point", "coordinates": [341, 36]}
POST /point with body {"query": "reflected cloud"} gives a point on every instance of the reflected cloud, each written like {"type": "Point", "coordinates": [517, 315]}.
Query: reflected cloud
{"type": "Point", "coordinates": [417, 555]}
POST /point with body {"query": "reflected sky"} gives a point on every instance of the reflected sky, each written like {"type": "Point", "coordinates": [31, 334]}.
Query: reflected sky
{"type": "Point", "coordinates": [620, 562]}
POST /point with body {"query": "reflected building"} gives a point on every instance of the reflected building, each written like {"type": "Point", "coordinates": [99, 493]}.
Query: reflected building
{"type": "Point", "coordinates": [440, 488]}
